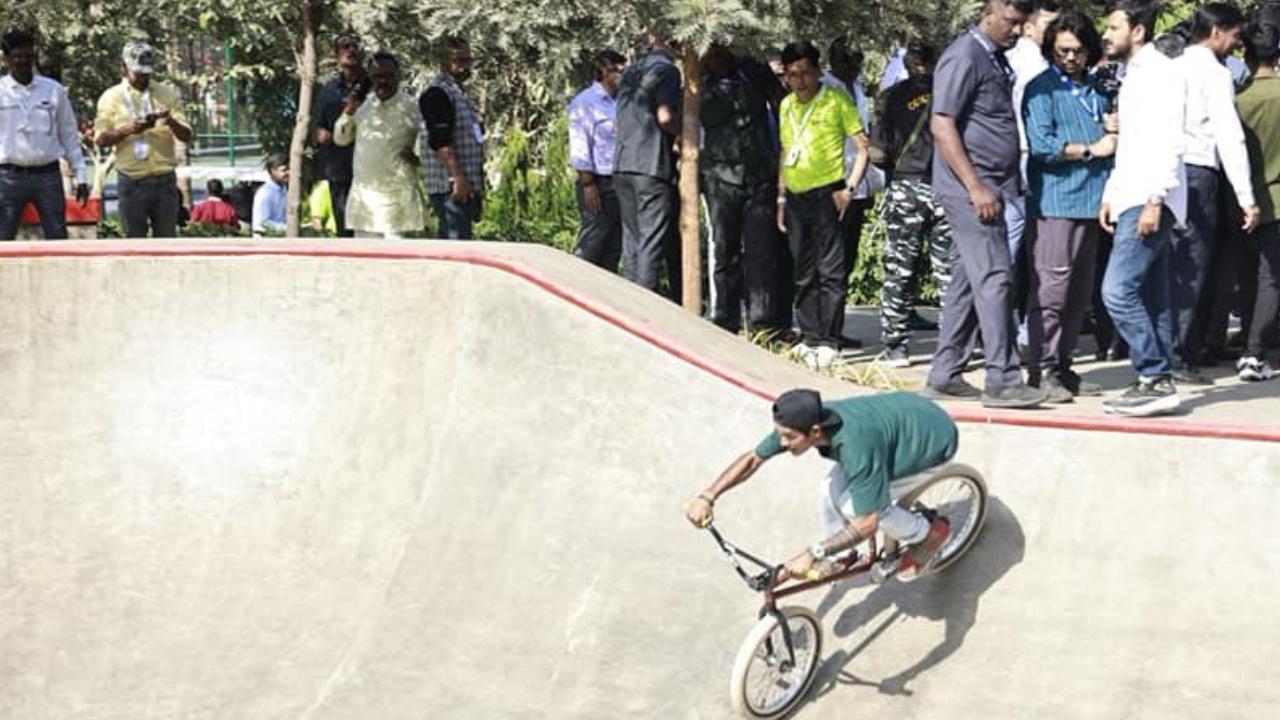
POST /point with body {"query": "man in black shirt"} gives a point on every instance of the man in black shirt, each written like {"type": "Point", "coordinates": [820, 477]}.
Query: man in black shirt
{"type": "Point", "coordinates": [738, 167]}
{"type": "Point", "coordinates": [644, 166]}
{"type": "Point", "coordinates": [335, 161]}
{"type": "Point", "coordinates": [911, 212]}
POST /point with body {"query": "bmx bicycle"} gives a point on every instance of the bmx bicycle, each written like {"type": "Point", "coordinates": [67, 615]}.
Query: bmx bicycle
{"type": "Point", "coordinates": [779, 657]}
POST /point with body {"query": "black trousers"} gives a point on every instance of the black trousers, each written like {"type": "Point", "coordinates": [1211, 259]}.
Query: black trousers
{"type": "Point", "coordinates": [1232, 281]}
{"type": "Point", "coordinates": [600, 234]}
{"type": "Point", "coordinates": [851, 231]}
{"type": "Point", "coordinates": [1192, 253]}
{"type": "Point", "coordinates": [747, 254]}
{"type": "Point", "coordinates": [817, 251]}
{"type": "Point", "coordinates": [1264, 244]}
{"type": "Point", "coordinates": [338, 191]}
{"type": "Point", "coordinates": [650, 208]}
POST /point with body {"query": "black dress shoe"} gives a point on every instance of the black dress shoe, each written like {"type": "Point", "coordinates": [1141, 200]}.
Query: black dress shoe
{"type": "Point", "coordinates": [958, 390]}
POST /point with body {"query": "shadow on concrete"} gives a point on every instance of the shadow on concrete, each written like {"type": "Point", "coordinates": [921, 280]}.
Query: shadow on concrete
{"type": "Point", "coordinates": [951, 597]}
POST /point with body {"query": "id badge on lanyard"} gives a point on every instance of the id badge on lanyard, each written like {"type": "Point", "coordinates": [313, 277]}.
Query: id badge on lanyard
{"type": "Point", "coordinates": [141, 146]}
{"type": "Point", "coordinates": [794, 153]}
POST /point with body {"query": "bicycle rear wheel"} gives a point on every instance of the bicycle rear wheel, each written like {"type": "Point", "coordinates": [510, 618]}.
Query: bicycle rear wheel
{"type": "Point", "coordinates": [765, 683]}
{"type": "Point", "coordinates": [958, 493]}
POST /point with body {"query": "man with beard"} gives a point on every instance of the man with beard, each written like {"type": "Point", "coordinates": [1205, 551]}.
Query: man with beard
{"type": "Point", "coordinates": [1144, 196]}
{"type": "Point", "coordinates": [455, 141]}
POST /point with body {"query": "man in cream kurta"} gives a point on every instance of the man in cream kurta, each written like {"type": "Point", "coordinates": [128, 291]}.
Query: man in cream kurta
{"type": "Point", "coordinates": [384, 200]}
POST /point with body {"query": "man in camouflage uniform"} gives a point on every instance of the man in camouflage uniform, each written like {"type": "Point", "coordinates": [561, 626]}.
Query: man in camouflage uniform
{"type": "Point", "coordinates": [910, 212]}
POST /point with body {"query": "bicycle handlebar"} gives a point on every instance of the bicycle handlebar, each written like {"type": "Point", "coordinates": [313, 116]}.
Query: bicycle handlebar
{"type": "Point", "coordinates": [759, 582]}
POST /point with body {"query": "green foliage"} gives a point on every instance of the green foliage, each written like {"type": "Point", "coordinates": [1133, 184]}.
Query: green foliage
{"type": "Point", "coordinates": [867, 277]}
{"type": "Point", "coordinates": [533, 197]}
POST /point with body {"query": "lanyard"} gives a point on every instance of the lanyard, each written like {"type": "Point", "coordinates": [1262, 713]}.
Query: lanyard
{"type": "Point", "coordinates": [1079, 92]}
{"type": "Point", "coordinates": [798, 127]}
{"type": "Point", "coordinates": [992, 55]}
{"type": "Point", "coordinates": [133, 108]}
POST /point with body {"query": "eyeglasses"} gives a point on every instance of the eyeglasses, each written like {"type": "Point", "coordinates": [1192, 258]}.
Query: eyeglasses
{"type": "Point", "coordinates": [1068, 52]}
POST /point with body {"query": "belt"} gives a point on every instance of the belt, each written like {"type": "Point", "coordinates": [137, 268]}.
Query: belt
{"type": "Point", "coordinates": [30, 169]}
{"type": "Point", "coordinates": [169, 176]}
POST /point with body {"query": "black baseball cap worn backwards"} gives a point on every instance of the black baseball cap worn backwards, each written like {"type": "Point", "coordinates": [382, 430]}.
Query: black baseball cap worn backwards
{"type": "Point", "coordinates": [801, 409]}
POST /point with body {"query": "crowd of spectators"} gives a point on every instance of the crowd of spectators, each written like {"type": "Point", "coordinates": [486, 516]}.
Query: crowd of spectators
{"type": "Point", "coordinates": [1058, 177]}
{"type": "Point", "coordinates": [1059, 172]}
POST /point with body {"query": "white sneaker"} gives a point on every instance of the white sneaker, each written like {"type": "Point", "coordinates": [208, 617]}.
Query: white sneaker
{"type": "Point", "coordinates": [825, 356]}
{"type": "Point", "coordinates": [806, 355]}
{"type": "Point", "coordinates": [1251, 369]}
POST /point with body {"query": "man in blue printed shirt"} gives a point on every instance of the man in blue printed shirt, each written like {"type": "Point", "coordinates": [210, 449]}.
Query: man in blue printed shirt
{"type": "Point", "coordinates": [1070, 158]}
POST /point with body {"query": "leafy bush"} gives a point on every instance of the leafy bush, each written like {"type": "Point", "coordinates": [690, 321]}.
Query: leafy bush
{"type": "Point", "coordinates": [532, 196]}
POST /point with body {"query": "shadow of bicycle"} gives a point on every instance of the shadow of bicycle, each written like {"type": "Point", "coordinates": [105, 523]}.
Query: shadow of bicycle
{"type": "Point", "coordinates": [951, 597]}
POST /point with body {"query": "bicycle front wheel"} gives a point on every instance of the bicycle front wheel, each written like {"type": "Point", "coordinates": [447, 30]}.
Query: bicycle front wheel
{"type": "Point", "coordinates": [957, 493]}
{"type": "Point", "coordinates": [766, 682]}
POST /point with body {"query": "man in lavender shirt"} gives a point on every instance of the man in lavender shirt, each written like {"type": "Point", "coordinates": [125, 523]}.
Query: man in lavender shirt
{"type": "Point", "coordinates": [591, 141]}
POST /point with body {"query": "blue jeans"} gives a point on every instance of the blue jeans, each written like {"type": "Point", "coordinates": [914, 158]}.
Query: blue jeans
{"type": "Point", "coordinates": [42, 189]}
{"type": "Point", "coordinates": [1136, 292]}
{"type": "Point", "coordinates": [454, 217]}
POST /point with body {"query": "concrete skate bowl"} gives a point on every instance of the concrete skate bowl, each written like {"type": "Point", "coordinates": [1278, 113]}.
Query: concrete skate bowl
{"type": "Point", "coordinates": [443, 481]}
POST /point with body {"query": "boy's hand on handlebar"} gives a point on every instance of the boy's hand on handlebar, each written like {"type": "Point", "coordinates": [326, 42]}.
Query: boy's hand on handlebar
{"type": "Point", "coordinates": [799, 566]}
{"type": "Point", "coordinates": [699, 511]}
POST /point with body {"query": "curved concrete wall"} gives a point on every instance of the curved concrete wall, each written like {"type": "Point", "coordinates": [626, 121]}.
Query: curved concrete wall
{"type": "Point", "coordinates": [275, 486]}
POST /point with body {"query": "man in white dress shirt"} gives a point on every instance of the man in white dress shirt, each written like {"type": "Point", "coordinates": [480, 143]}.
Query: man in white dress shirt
{"type": "Point", "coordinates": [1145, 194]}
{"type": "Point", "coordinates": [37, 129]}
{"type": "Point", "coordinates": [1214, 146]}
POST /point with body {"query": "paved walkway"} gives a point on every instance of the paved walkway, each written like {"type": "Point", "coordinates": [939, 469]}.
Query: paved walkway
{"type": "Point", "coordinates": [1228, 400]}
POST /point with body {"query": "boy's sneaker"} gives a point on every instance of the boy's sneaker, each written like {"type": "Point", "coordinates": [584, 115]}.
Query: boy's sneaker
{"type": "Point", "coordinates": [916, 558]}
{"type": "Point", "coordinates": [1078, 386]}
{"type": "Point", "coordinates": [1252, 369]}
{"type": "Point", "coordinates": [896, 357]}
{"type": "Point", "coordinates": [1147, 397]}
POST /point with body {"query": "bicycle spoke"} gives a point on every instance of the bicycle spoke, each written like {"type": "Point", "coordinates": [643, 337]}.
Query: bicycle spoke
{"type": "Point", "coordinates": [770, 682]}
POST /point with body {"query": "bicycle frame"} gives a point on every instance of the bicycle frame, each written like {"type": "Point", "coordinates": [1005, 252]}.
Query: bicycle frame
{"type": "Point", "coordinates": [766, 581]}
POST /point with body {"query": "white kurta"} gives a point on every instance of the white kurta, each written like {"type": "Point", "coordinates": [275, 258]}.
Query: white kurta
{"type": "Point", "coordinates": [384, 188]}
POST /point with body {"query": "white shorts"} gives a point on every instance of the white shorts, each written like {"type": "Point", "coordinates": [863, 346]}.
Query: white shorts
{"type": "Point", "coordinates": [837, 510]}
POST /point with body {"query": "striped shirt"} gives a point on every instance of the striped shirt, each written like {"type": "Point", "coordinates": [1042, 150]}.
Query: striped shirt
{"type": "Point", "coordinates": [1058, 111]}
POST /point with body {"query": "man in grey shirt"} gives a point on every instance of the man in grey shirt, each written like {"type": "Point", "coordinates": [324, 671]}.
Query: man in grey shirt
{"type": "Point", "coordinates": [975, 172]}
{"type": "Point", "coordinates": [644, 166]}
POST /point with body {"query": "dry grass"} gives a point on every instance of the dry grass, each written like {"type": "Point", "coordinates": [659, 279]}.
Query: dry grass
{"type": "Point", "coordinates": [873, 373]}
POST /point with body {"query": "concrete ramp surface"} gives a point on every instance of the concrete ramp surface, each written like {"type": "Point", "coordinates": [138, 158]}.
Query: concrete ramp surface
{"type": "Point", "coordinates": [444, 481]}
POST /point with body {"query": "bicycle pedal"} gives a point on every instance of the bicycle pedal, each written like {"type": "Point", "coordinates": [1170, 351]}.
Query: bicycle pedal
{"type": "Point", "coordinates": [884, 570]}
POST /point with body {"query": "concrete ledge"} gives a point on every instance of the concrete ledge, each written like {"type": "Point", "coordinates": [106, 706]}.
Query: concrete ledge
{"type": "Point", "coordinates": [639, 312]}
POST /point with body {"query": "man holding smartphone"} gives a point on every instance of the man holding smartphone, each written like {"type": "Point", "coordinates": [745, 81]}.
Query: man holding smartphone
{"type": "Point", "coordinates": [141, 118]}
{"type": "Point", "coordinates": [335, 161]}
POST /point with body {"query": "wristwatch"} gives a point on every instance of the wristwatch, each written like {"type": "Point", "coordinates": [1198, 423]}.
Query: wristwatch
{"type": "Point", "coordinates": [1086, 154]}
{"type": "Point", "coordinates": [818, 551]}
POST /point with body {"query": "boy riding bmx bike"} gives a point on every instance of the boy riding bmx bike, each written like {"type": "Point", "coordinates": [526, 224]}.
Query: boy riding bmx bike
{"type": "Point", "coordinates": [873, 440]}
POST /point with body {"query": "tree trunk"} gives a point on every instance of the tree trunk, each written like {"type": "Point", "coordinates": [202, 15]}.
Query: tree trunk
{"type": "Point", "coordinates": [690, 210]}
{"type": "Point", "coordinates": [301, 123]}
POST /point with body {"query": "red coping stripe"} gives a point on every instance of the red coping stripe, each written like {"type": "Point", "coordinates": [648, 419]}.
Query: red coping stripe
{"type": "Point", "coordinates": [472, 253]}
